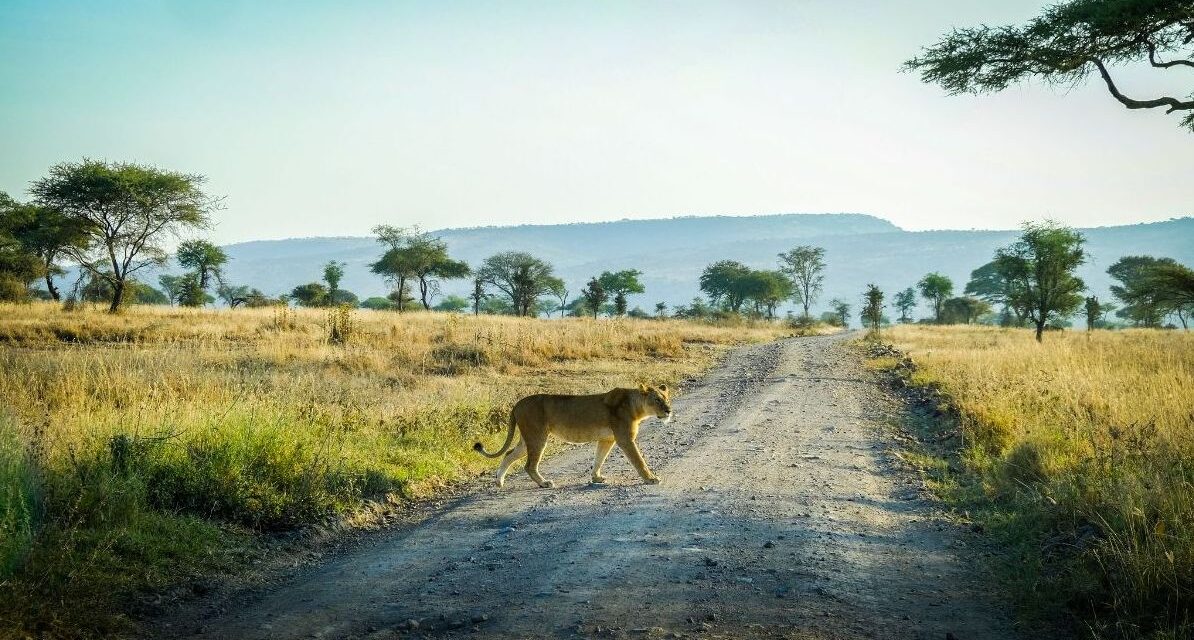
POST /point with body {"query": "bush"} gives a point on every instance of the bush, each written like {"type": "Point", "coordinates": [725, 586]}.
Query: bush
{"type": "Point", "coordinates": [378, 304]}
{"type": "Point", "coordinates": [12, 289]}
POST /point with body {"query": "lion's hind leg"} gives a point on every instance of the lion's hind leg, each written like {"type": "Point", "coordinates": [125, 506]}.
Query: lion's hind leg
{"type": "Point", "coordinates": [534, 455]}
{"type": "Point", "coordinates": [511, 457]}
{"type": "Point", "coordinates": [603, 449]}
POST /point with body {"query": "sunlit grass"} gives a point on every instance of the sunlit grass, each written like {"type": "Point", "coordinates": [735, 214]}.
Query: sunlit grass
{"type": "Point", "coordinates": [137, 450]}
{"type": "Point", "coordinates": [1083, 449]}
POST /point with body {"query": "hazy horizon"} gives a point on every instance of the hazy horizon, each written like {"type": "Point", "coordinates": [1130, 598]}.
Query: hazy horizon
{"type": "Point", "coordinates": [317, 121]}
{"type": "Point", "coordinates": [693, 216]}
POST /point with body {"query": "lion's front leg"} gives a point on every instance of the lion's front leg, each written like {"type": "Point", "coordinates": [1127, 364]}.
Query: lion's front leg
{"type": "Point", "coordinates": [603, 449]}
{"type": "Point", "coordinates": [630, 448]}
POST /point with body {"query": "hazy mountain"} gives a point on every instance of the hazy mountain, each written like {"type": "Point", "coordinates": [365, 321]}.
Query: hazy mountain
{"type": "Point", "coordinates": [671, 253]}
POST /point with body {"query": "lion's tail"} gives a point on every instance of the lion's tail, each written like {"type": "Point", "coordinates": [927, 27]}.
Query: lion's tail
{"type": "Point", "coordinates": [479, 448]}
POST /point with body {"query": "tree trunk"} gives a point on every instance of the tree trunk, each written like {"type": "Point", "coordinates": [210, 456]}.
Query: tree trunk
{"type": "Point", "coordinates": [117, 295]}
{"type": "Point", "coordinates": [1040, 328]}
{"type": "Point", "coordinates": [423, 294]}
{"type": "Point", "coordinates": [51, 288]}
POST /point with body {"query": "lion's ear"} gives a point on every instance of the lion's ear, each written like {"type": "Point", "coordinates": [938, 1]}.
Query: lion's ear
{"type": "Point", "coordinates": [615, 397]}
{"type": "Point", "coordinates": [663, 388]}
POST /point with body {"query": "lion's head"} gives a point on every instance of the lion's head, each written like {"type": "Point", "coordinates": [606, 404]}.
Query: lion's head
{"type": "Point", "coordinates": [659, 401]}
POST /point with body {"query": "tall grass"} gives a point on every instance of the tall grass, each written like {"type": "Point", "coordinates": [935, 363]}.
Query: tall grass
{"type": "Point", "coordinates": [1083, 452]}
{"type": "Point", "coordinates": [148, 449]}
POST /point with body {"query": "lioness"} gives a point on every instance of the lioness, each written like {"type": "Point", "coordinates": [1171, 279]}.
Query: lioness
{"type": "Point", "coordinates": [604, 418]}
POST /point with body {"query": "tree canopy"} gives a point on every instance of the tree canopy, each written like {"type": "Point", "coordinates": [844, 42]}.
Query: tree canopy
{"type": "Point", "coordinates": [418, 256]}
{"type": "Point", "coordinates": [725, 282]}
{"type": "Point", "coordinates": [39, 231]}
{"type": "Point", "coordinates": [989, 284]}
{"type": "Point", "coordinates": [805, 265]}
{"type": "Point", "coordinates": [936, 288]}
{"type": "Point", "coordinates": [521, 276]}
{"type": "Point", "coordinates": [127, 210]}
{"type": "Point", "coordinates": [872, 308]}
{"type": "Point", "coordinates": [905, 301]}
{"type": "Point", "coordinates": [594, 296]}
{"type": "Point", "coordinates": [204, 258]}
{"type": "Point", "coordinates": [1039, 268]}
{"type": "Point", "coordinates": [1152, 288]}
{"type": "Point", "coordinates": [621, 284]}
{"type": "Point", "coordinates": [1064, 45]}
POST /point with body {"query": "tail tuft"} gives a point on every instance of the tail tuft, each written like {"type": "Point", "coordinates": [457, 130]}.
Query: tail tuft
{"type": "Point", "coordinates": [478, 447]}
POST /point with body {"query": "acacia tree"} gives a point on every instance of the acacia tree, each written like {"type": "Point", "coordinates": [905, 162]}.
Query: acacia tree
{"type": "Point", "coordinates": [1066, 44]}
{"type": "Point", "coordinates": [1093, 312]}
{"type": "Point", "coordinates": [1041, 266]}
{"type": "Point", "coordinates": [1152, 288]}
{"type": "Point", "coordinates": [1175, 289]}
{"type": "Point", "coordinates": [43, 232]}
{"type": "Point", "coordinates": [594, 295]}
{"type": "Point", "coordinates": [724, 282]}
{"type": "Point", "coordinates": [561, 293]}
{"type": "Point", "coordinates": [620, 284]}
{"type": "Point", "coordinates": [127, 210]}
{"type": "Point", "coordinates": [312, 294]}
{"type": "Point", "coordinates": [987, 283]}
{"type": "Point", "coordinates": [872, 309]}
{"type": "Point", "coordinates": [905, 301]}
{"type": "Point", "coordinates": [936, 288]}
{"type": "Point", "coordinates": [478, 295]}
{"type": "Point", "coordinates": [966, 309]}
{"type": "Point", "coordinates": [841, 312]}
{"type": "Point", "coordinates": [805, 265]}
{"type": "Point", "coordinates": [333, 273]}
{"type": "Point", "coordinates": [18, 265]}
{"type": "Point", "coordinates": [206, 261]}
{"type": "Point", "coordinates": [519, 275]}
{"type": "Point", "coordinates": [395, 265]}
{"type": "Point", "coordinates": [768, 289]}
{"type": "Point", "coordinates": [171, 286]}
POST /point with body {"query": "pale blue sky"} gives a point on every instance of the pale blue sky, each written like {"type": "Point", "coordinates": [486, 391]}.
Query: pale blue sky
{"type": "Point", "coordinates": [329, 118]}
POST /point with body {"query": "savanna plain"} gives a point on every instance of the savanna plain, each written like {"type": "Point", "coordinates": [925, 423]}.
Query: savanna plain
{"type": "Point", "coordinates": [162, 447]}
{"type": "Point", "coordinates": [144, 450]}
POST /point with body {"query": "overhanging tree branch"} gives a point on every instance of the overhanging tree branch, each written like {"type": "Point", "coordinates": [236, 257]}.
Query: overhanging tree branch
{"type": "Point", "coordinates": [1165, 101]}
{"type": "Point", "coordinates": [1152, 58]}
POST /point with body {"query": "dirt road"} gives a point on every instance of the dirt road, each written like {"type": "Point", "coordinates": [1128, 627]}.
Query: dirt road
{"type": "Point", "coordinates": [778, 516]}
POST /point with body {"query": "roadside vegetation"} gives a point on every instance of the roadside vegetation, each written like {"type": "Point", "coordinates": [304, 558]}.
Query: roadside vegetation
{"type": "Point", "coordinates": [1078, 453]}
{"type": "Point", "coordinates": [147, 449]}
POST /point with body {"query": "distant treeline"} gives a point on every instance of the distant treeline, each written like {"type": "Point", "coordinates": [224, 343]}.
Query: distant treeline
{"type": "Point", "coordinates": [113, 220]}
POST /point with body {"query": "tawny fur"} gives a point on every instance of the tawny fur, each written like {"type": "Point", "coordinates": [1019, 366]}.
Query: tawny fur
{"type": "Point", "coordinates": [605, 418]}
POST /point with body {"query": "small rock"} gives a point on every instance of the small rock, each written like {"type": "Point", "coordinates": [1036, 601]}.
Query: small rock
{"type": "Point", "coordinates": [479, 618]}
{"type": "Point", "coordinates": [769, 544]}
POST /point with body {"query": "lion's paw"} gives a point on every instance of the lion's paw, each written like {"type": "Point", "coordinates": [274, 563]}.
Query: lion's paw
{"type": "Point", "coordinates": [652, 480]}
{"type": "Point", "coordinates": [548, 484]}
{"type": "Point", "coordinates": [597, 480]}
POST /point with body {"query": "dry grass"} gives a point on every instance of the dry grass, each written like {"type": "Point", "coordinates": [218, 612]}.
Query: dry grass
{"type": "Point", "coordinates": [1083, 448]}
{"type": "Point", "coordinates": [143, 449]}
